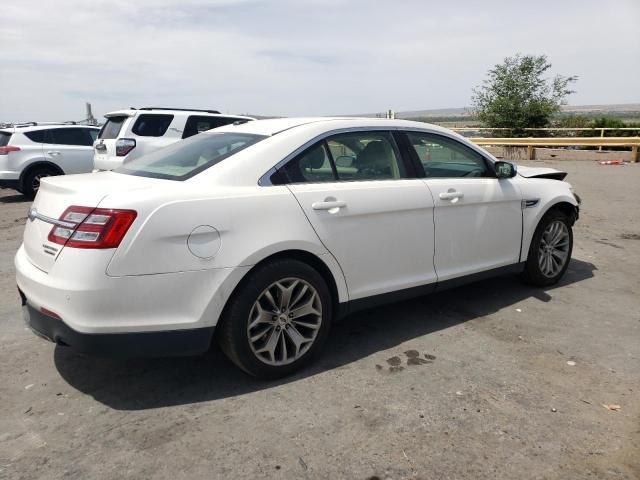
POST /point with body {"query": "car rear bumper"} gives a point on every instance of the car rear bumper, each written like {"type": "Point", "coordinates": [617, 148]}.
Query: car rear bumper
{"type": "Point", "coordinates": [9, 180]}
{"type": "Point", "coordinates": [89, 302]}
{"type": "Point", "coordinates": [136, 344]}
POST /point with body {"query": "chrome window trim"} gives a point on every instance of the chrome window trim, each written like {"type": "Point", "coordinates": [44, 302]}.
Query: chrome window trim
{"type": "Point", "coordinates": [265, 179]}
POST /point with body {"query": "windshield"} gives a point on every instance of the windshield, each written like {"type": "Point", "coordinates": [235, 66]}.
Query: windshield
{"type": "Point", "coordinates": [189, 157]}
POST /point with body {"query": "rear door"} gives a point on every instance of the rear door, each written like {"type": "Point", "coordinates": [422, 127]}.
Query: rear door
{"type": "Point", "coordinates": [478, 218]}
{"type": "Point", "coordinates": [377, 222]}
{"type": "Point", "coordinates": [70, 148]}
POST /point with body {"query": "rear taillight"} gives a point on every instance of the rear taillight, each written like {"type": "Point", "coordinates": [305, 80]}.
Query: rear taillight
{"type": "Point", "coordinates": [86, 227]}
{"type": "Point", "coordinates": [6, 150]}
{"type": "Point", "coordinates": [124, 146]}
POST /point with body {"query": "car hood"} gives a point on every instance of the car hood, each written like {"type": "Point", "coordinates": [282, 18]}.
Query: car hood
{"type": "Point", "coordinates": [541, 172]}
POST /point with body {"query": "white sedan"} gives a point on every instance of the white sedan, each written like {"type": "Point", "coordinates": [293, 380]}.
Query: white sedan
{"type": "Point", "coordinates": [268, 231]}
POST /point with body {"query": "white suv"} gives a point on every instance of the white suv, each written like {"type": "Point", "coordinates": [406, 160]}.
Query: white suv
{"type": "Point", "coordinates": [129, 134]}
{"type": "Point", "coordinates": [31, 151]}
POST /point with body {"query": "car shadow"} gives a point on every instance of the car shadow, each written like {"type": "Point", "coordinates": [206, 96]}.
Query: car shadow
{"type": "Point", "coordinates": [139, 384]}
{"type": "Point", "coordinates": [17, 198]}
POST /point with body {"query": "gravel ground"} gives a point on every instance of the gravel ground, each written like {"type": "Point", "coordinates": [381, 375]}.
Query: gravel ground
{"type": "Point", "coordinates": [491, 380]}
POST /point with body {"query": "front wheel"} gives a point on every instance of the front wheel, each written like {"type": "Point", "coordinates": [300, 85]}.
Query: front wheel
{"type": "Point", "coordinates": [550, 250]}
{"type": "Point", "coordinates": [277, 320]}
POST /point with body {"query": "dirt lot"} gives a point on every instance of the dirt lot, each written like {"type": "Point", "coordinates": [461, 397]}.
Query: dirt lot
{"type": "Point", "coordinates": [510, 382]}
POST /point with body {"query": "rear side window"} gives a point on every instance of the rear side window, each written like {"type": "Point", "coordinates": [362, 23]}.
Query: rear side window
{"type": "Point", "coordinates": [313, 166]}
{"type": "Point", "coordinates": [353, 156]}
{"type": "Point", "coordinates": [185, 159]}
{"type": "Point", "coordinates": [37, 136]}
{"type": "Point", "coordinates": [4, 139]}
{"type": "Point", "coordinates": [198, 123]}
{"type": "Point", "coordinates": [152, 125]}
{"type": "Point", "coordinates": [112, 128]}
{"type": "Point", "coordinates": [68, 136]}
{"type": "Point", "coordinates": [93, 134]}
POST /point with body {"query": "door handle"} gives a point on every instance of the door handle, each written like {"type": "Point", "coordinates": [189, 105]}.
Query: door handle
{"type": "Point", "coordinates": [53, 152]}
{"type": "Point", "coordinates": [451, 195]}
{"type": "Point", "coordinates": [329, 205]}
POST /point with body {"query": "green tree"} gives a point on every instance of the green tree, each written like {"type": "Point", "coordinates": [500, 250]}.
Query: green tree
{"type": "Point", "coordinates": [517, 94]}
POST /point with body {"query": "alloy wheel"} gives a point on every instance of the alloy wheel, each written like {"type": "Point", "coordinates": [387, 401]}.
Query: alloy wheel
{"type": "Point", "coordinates": [553, 251]}
{"type": "Point", "coordinates": [284, 321]}
{"type": "Point", "coordinates": [35, 184]}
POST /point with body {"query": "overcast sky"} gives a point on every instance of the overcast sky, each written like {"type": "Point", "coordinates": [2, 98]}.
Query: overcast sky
{"type": "Point", "coordinates": [295, 57]}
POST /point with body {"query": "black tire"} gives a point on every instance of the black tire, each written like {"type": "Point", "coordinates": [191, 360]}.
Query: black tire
{"type": "Point", "coordinates": [31, 181]}
{"type": "Point", "coordinates": [233, 329]}
{"type": "Point", "coordinates": [533, 273]}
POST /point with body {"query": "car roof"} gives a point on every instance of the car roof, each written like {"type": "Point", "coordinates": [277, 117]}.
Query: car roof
{"type": "Point", "coordinates": [273, 126]}
{"type": "Point", "coordinates": [130, 112]}
{"type": "Point", "coordinates": [34, 126]}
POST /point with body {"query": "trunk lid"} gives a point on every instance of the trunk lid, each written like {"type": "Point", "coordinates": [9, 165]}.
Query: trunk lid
{"type": "Point", "coordinates": [55, 195]}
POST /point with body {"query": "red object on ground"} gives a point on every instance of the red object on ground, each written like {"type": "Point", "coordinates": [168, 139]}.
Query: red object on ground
{"type": "Point", "coordinates": [612, 162]}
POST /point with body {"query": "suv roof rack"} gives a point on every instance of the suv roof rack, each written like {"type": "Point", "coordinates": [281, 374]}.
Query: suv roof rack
{"type": "Point", "coordinates": [35, 124]}
{"type": "Point", "coordinates": [178, 109]}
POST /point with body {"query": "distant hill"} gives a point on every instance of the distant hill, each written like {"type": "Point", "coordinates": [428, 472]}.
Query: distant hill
{"type": "Point", "coordinates": [466, 111]}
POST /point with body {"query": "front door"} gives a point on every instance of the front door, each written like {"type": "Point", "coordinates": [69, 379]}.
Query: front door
{"type": "Point", "coordinates": [478, 218]}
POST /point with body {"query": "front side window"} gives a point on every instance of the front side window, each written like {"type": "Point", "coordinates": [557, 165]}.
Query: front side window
{"type": "Point", "coordinates": [345, 157]}
{"type": "Point", "coordinates": [444, 157]}
{"type": "Point", "coordinates": [67, 136]}
{"type": "Point", "coordinates": [152, 125]}
{"type": "Point", "coordinates": [187, 158]}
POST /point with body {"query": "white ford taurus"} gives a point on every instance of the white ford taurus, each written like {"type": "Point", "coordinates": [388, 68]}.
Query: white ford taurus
{"type": "Point", "coordinates": [268, 231]}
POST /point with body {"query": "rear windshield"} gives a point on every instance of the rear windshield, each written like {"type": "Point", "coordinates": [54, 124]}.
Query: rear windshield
{"type": "Point", "coordinates": [189, 157]}
{"type": "Point", "coordinates": [112, 128]}
{"type": "Point", "coordinates": [4, 139]}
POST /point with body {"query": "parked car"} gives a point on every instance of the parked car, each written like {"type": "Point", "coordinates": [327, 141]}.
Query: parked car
{"type": "Point", "coordinates": [31, 151]}
{"type": "Point", "coordinates": [129, 134]}
{"type": "Point", "coordinates": [270, 230]}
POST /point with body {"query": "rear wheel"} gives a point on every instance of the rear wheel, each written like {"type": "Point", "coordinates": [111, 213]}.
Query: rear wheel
{"type": "Point", "coordinates": [550, 250]}
{"type": "Point", "coordinates": [31, 182]}
{"type": "Point", "coordinates": [277, 320]}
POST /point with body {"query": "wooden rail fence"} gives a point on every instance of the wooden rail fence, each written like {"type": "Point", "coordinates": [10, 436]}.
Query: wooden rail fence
{"type": "Point", "coordinates": [531, 142]}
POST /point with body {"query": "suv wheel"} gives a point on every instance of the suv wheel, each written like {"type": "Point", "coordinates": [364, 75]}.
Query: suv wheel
{"type": "Point", "coordinates": [31, 182]}
{"type": "Point", "coordinates": [277, 320]}
{"type": "Point", "coordinates": [550, 250]}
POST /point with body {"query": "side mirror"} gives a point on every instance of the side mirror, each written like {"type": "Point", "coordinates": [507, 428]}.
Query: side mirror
{"type": "Point", "coordinates": [505, 169]}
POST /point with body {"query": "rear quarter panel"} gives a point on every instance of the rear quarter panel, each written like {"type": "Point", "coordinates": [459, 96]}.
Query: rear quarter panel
{"type": "Point", "coordinates": [252, 223]}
